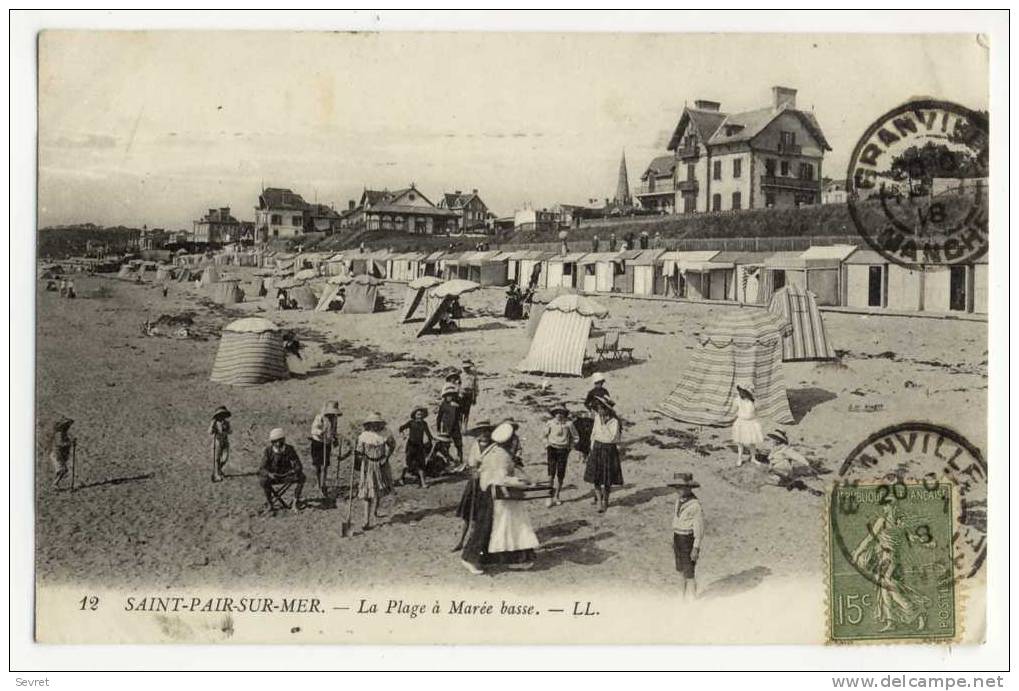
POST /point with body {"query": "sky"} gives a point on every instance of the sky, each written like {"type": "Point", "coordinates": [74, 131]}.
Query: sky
{"type": "Point", "coordinates": [155, 128]}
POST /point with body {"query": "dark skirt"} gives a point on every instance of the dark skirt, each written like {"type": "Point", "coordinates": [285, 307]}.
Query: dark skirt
{"type": "Point", "coordinates": [318, 454]}
{"type": "Point", "coordinates": [603, 468]}
{"type": "Point", "coordinates": [416, 456]}
{"type": "Point", "coordinates": [467, 509]}
{"type": "Point", "coordinates": [475, 551]}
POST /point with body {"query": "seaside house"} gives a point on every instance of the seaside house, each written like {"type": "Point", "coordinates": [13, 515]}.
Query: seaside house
{"type": "Point", "coordinates": [216, 227]}
{"type": "Point", "coordinates": [280, 214]}
{"type": "Point", "coordinates": [472, 213]}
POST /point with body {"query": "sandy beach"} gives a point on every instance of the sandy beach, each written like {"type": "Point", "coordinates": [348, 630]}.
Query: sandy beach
{"type": "Point", "coordinates": [146, 514]}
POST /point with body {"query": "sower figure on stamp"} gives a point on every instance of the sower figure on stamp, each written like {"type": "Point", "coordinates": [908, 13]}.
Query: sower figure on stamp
{"type": "Point", "coordinates": [280, 466]}
{"type": "Point", "coordinates": [687, 531]}
{"type": "Point", "coordinates": [61, 450]}
{"type": "Point", "coordinates": [220, 431]}
{"type": "Point", "coordinates": [324, 439]}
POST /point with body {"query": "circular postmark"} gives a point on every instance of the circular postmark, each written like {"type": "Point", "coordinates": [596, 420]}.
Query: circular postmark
{"type": "Point", "coordinates": [917, 184]}
{"type": "Point", "coordinates": [914, 461]}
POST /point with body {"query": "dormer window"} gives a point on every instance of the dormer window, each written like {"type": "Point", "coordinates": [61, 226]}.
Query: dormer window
{"type": "Point", "coordinates": [730, 130]}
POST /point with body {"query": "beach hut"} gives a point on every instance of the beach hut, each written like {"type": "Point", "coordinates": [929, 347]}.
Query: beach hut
{"type": "Point", "coordinates": [362, 295]}
{"type": "Point", "coordinates": [534, 258]}
{"type": "Point", "coordinates": [486, 268]}
{"type": "Point", "coordinates": [414, 297]}
{"type": "Point", "coordinates": [438, 301]}
{"type": "Point", "coordinates": [596, 271]}
{"type": "Point", "coordinates": [430, 265]}
{"type": "Point", "coordinates": [622, 273]}
{"type": "Point", "coordinates": [227, 292]}
{"type": "Point", "coordinates": [563, 270]}
{"type": "Point", "coordinates": [454, 265]}
{"type": "Point", "coordinates": [513, 260]}
{"type": "Point", "coordinates": [210, 275]}
{"type": "Point", "coordinates": [560, 341]}
{"type": "Point", "coordinates": [807, 339]}
{"type": "Point", "coordinates": [817, 269]}
{"type": "Point", "coordinates": [647, 272]}
{"type": "Point", "coordinates": [980, 285]}
{"type": "Point", "coordinates": [865, 276]}
{"type": "Point", "coordinates": [743, 345]}
{"type": "Point", "coordinates": [250, 352]}
{"type": "Point", "coordinates": [337, 265]}
{"type": "Point", "coordinates": [689, 273]}
{"type": "Point", "coordinates": [405, 267]}
{"type": "Point", "coordinates": [952, 288]}
{"type": "Point", "coordinates": [741, 272]}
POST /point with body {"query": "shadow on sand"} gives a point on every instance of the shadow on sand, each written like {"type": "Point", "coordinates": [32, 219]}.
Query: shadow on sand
{"type": "Point", "coordinates": [115, 481]}
{"type": "Point", "coordinates": [736, 583]}
{"type": "Point", "coordinates": [802, 401]}
{"type": "Point", "coordinates": [584, 551]}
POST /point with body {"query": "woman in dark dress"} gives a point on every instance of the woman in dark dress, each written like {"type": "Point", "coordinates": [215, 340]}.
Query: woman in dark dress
{"type": "Point", "coordinates": [419, 443]}
{"type": "Point", "coordinates": [466, 510]}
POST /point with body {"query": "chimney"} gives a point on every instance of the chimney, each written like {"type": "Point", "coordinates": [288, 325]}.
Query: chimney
{"type": "Point", "coordinates": [224, 212]}
{"type": "Point", "coordinates": [350, 205]}
{"type": "Point", "coordinates": [212, 214]}
{"type": "Point", "coordinates": [783, 97]}
{"type": "Point", "coordinates": [457, 192]}
{"type": "Point", "coordinates": [707, 105]}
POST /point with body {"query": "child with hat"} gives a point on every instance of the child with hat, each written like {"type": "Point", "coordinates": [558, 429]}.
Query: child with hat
{"type": "Point", "coordinates": [746, 429]}
{"type": "Point", "coordinates": [220, 431]}
{"type": "Point", "coordinates": [560, 437]}
{"type": "Point", "coordinates": [447, 417]}
{"type": "Point", "coordinates": [468, 392]}
{"type": "Point", "coordinates": [372, 450]}
{"type": "Point", "coordinates": [603, 468]}
{"type": "Point", "coordinates": [597, 389]}
{"type": "Point", "coordinates": [687, 530]}
{"type": "Point", "coordinates": [61, 449]}
{"type": "Point", "coordinates": [419, 443]}
{"type": "Point", "coordinates": [323, 439]}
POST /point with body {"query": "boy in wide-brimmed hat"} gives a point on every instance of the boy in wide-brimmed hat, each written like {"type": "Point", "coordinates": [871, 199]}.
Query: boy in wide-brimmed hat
{"type": "Point", "coordinates": [560, 437]}
{"type": "Point", "coordinates": [324, 439]}
{"type": "Point", "coordinates": [687, 530]}
{"type": "Point", "coordinates": [419, 443]}
{"type": "Point", "coordinates": [219, 428]}
{"type": "Point", "coordinates": [468, 392]}
{"type": "Point", "coordinates": [447, 417]}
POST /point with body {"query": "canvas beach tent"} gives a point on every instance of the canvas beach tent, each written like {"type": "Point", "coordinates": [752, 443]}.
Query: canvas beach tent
{"type": "Point", "coordinates": [250, 352]}
{"type": "Point", "coordinates": [808, 339]}
{"type": "Point", "coordinates": [306, 274]}
{"type": "Point", "coordinates": [744, 345]}
{"type": "Point", "coordinates": [438, 299]}
{"type": "Point", "coordinates": [125, 272]}
{"type": "Point", "coordinates": [560, 342]}
{"type": "Point", "coordinates": [227, 292]}
{"type": "Point", "coordinates": [164, 273]}
{"type": "Point", "coordinates": [303, 296]}
{"type": "Point", "coordinates": [209, 276]}
{"type": "Point", "coordinates": [539, 301]}
{"type": "Point", "coordinates": [362, 295]}
{"type": "Point", "coordinates": [414, 297]}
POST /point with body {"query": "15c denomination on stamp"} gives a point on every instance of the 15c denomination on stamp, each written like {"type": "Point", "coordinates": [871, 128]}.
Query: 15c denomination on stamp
{"type": "Point", "coordinates": [891, 566]}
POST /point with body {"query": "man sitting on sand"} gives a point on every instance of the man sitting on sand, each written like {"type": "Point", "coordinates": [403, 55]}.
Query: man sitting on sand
{"type": "Point", "coordinates": [280, 465]}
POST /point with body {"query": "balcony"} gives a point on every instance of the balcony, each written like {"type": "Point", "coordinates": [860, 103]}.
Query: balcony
{"type": "Point", "coordinates": [790, 183]}
{"type": "Point", "coordinates": [790, 149]}
{"type": "Point", "coordinates": [687, 186]}
{"type": "Point", "coordinates": [657, 187]}
{"type": "Point", "coordinates": [688, 151]}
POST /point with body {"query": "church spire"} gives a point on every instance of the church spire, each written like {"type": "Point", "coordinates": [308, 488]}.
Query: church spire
{"type": "Point", "coordinates": [623, 185]}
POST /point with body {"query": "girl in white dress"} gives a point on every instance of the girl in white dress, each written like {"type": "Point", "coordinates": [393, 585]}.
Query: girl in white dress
{"type": "Point", "coordinates": [746, 429]}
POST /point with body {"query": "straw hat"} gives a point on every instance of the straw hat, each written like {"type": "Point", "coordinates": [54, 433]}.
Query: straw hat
{"type": "Point", "coordinates": [480, 426]}
{"type": "Point", "coordinates": [448, 390]}
{"type": "Point", "coordinates": [605, 401]}
{"type": "Point", "coordinates": [453, 376]}
{"type": "Point", "coordinates": [63, 422]}
{"type": "Point", "coordinates": [597, 377]}
{"type": "Point", "coordinates": [221, 411]}
{"type": "Point", "coordinates": [468, 364]}
{"type": "Point", "coordinates": [421, 408]}
{"type": "Point", "coordinates": [683, 480]}
{"type": "Point", "coordinates": [503, 433]}
{"type": "Point", "coordinates": [331, 408]}
{"type": "Point", "coordinates": [779, 436]}
{"type": "Point", "coordinates": [747, 386]}
{"type": "Point", "coordinates": [373, 418]}
{"type": "Point", "coordinates": [277, 434]}
{"type": "Point", "coordinates": [560, 408]}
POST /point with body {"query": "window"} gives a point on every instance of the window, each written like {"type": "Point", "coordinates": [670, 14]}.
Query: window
{"type": "Point", "coordinates": [410, 196]}
{"type": "Point", "coordinates": [769, 200]}
{"type": "Point", "coordinates": [716, 170]}
{"type": "Point", "coordinates": [690, 172]}
{"type": "Point", "coordinates": [769, 167]}
{"type": "Point", "coordinates": [689, 203]}
{"type": "Point", "coordinates": [806, 171]}
{"type": "Point", "coordinates": [785, 168]}
{"type": "Point", "coordinates": [779, 276]}
{"type": "Point", "coordinates": [716, 202]}
{"type": "Point", "coordinates": [737, 201]}
{"type": "Point", "coordinates": [277, 220]}
{"type": "Point", "coordinates": [788, 139]}
{"type": "Point", "coordinates": [737, 167]}
{"type": "Point", "coordinates": [296, 221]}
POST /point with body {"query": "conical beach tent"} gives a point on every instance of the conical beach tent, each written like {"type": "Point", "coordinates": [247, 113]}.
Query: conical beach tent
{"type": "Point", "coordinates": [742, 346]}
{"type": "Point", "coordinates": [538, 302]}
{"type": "Point", "coordinates": [227, 293]}
{"type": "Point", "coordinates": [304, 297]}
{"type": "Point", "coordinates": [808, 339]}
{"type": "Point", "coordinates": [125, 272]}
{"type": "Point", "coordinates": [415, 295]}
{"type": "Point", "coordinates": [209, 276]}
{"type": "Point", "coordinates": [560, 342]}
{"type": "Point", "coordinates": [250, 352]}
{"type": "Point", "coordinates": [440, 298]}
{"type": "Point", "coordinates": [362, 294]}
{"type": "Point", "coordinates": [164, 273]}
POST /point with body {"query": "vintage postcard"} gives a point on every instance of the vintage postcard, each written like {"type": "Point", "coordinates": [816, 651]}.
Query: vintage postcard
{"type": "Point", "coordinates": [512, 338]}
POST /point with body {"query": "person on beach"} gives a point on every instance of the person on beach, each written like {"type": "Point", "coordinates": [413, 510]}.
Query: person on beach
{"type": "Point", "coordinates": [594, 244]}
{"type": "Point", "coordinates": [501, 532]}
{"type": "Point", "coordinates": [63, 288]}
{"type": "Point", "coordinates": [281, 300]}
{"type": "Point", "coordinates": [281, 465]}
{"type": "Point", "coordinates": [560, 438]}
{"type": "Point", "coordinates": [166, 290]}
{"type": "Point", "coordinates": [61, 449]}
{"type": "Point", "coordinates": [419, 443]}
{"type": "Point", "coordinates": [466, 509]}
{"type": "Point", "coordinates": [219, 429]}
{"type": "Point", "coordinates": [687, 531]}
{"type": "Point", "coordinates": [372, 450]}
{"type": "Point", "coordinates": [70, 289]}
{"type": "Point", "coordinates": [603, 469]}
{"type": "Point", "coordinates": [324, 438]}
{"type": "Point", "coordinates": [612, 242]}
{"type": "Point", "coordinates": [468, 392]}
{"type": "Point", "coordinates": [746, 429]}
{"type": "Point", "coordinates": [447, 417]}
{"type": "Point", "coordinates": [597, 389]}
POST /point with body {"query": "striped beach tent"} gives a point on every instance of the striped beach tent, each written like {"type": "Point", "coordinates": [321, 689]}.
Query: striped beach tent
{"type": "Point", "coordinates": [414, 297]}
{"type": "Point", "coordinates": [560, 341]}
{"type": "Point", "coordinates": [808, 339]}
{"type": "Point", "coordinates": [744, 346]}
{"type": "Point", "coordinates": [227, 292]}
{"type": "Point", "coordinates": [250, 352]}
{"type": "Point", "coordinates": [362, 295]}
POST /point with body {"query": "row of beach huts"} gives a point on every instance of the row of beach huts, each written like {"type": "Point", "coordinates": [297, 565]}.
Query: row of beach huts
{"type": "Point", "coordinates": [838, 275]}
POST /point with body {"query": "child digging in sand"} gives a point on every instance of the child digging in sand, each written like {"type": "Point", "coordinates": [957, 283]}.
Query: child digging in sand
{"type": "Point", "coordinates": [746, 429]}
{"type": "Point", "coordinates": [220, 431]}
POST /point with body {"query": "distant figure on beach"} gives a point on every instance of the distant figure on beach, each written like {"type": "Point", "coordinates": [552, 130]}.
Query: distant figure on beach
{"type": "Point", "coordinates": [603, 469]}
{"type": "Point", "coordinates": [291, 345]}
{"type": "Point", "coordinates": [280, 465]}
{"type": "Point", "coordinates": [657, 243]}
{"type": "Point", "coordinates": [645, 240]}
{"type": "Point", "coordinates": [166, 289]}
{"type": "Point", "coordinates": [535, 277]}
{"type": "Point", "coordinates": [594, 244]}
{"type": "Point", "coordinates": [324, 438]}
{"type": "Point", "coordinates": [746, 429]}
{"type": "Point", "coordinates": [70, 289]}
{"type": "Point", "coordinates": [61, 449]}
{"type": "Point", "coordinates": [687, 531]}
{"type": "Point", "coordinates": [418, 445]}
{"type": "Point", "coordinates": [219, 429]}
{"type": "Point", "coordinates": [281, 300]}
{"type": "Point", "coordinates": [468, 392]}
{"type": "Point", "coordinates": [63, 288]}
{"type": "Point", "coordinates": [372, 450]}
{"type": "Point", "coordinates": [514, 306]}
{"type": "Point", "coordinates": [612, 242]}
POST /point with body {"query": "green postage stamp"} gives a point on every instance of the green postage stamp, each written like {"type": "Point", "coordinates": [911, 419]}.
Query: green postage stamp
{"type": "Point", "coordinates": [891, 563]}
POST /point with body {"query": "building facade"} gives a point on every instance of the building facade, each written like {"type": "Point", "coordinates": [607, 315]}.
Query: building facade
{"type": "Point", "coordinates": [216, 227]}
{"type": "Point", "coordinates": [541, 220]}
{"type": "Point", "coordinates": [407, 210]}
{"type": "Point", "coordinates": [471, 211]}
{"type": "Point", "coordinates": [765, 158]}
{"type": "Point", "coordinates": [280, 214]}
